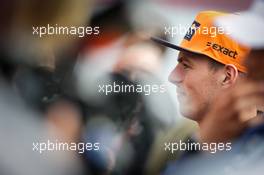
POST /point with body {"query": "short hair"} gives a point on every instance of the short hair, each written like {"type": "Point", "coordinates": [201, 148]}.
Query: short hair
{"type": "Point", "coordinates": [214, 65]}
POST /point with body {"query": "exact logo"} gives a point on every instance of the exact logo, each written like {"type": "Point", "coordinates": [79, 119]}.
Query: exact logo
{"type": "Point", "coordinates": [222, 49]}
{"type": "Point", "coordinates": [191, 31]}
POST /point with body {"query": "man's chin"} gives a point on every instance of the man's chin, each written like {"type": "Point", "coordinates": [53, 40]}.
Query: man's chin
{"type": "Point", "coordinates": [187, 113]}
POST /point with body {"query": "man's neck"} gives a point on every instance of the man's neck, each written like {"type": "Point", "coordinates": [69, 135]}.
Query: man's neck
{"type": "Point", "coordinates": [248, 114]}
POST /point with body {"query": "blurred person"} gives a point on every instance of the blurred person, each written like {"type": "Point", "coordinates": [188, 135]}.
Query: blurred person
{"type": "Point", "coordinates": [36, 85]}
{"type": "Point", "coordinates": [20, 40]}
{"type": "Point", "coordinates": [66, 115]}
{"type": "Point", "coordinates": [21, 127]}
{"type": "Point", "coordinates": [120, 48]}
{"type": "Point", "coordinates": [140, 54]}
{"type": "Point", "coordinates": [98, 54]}
{"type": "Point", "coordinates": [158, 157]}
{"type": "Point", "coordinates": [130, 53]}
{"type": "Point", "coordinates": [118, 45]}
{"type": "Point", "coordinates": [42, 78]}
{"type": "Point", "coordinates": [34, 57]}
{"type": "Point", "coordinates": [113, 120]}
{"type": "Point", "coordinates": [126, 131]}
{"type": "Point", "coordinates": [141, 60]}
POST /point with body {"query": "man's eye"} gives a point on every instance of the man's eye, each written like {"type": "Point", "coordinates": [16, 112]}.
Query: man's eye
{"type": "Point", "coordinates": [185, 66]}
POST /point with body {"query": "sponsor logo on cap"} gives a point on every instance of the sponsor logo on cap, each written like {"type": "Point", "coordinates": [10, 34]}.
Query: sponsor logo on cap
{"type": "Point", "coordinates": [222, 49]}
{"type": "Point", "coordinates": [191, 31]}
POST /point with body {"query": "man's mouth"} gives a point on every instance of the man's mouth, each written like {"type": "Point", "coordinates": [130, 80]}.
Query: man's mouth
{"type": "Point", "coordinates": [179, 92]}
{"type": "Point", "coordinates": [181, 95]}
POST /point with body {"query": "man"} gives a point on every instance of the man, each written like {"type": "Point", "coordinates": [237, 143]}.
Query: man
{"type": "Point", "coordinates": [208, 65]}
{"type": "Point", "coordinates": [220, 124]}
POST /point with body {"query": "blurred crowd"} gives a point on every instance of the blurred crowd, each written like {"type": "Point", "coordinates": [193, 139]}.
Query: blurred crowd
{"type": "Point", "coordinates": [50, 92]}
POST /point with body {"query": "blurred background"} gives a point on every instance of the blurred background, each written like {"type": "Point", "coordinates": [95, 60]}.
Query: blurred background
{"type": "Point", "coordinates": [49, 85]}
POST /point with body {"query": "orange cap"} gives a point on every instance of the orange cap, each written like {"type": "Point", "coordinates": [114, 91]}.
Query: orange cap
{"type": "Point", "coordinates": [206, 39]}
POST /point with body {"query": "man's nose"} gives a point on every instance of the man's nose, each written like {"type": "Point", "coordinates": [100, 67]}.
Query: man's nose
{"type": "Point", "coordinates": [175, 76]}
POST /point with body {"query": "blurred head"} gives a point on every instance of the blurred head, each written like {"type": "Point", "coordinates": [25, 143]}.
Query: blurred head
{"type": "Point", "coordinates": [140, 54]}
{"type": "Point", "coordinates": [255, 64]}
{"type": "Point", "coordinates": [18, 19]}
{"type": "Point", "coordinates": [199, 79]}
{"type": "Point", "coordinates": [66, 116]}
{"type": "Point", "coordinates": [249, 36]}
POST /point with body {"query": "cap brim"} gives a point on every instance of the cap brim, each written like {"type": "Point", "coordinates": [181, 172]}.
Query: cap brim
{"type": "Point", "coordinates": [171, 45]}
{"type": "Point", "coordinates": [246, 28]}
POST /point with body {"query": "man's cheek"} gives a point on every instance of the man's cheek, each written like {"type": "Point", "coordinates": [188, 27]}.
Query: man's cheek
{"type": "Point", "coordinates": [189, 91]}
{"type": "Point", "coordinates": [193, 98]}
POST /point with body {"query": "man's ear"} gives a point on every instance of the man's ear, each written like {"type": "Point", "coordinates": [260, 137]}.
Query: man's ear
{"type": "Point", "coordinates": [230, 75]}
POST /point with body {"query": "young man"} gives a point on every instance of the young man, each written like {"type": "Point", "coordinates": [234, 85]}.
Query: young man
{"type": "Point", "coordinates": [222, 121]}
{"type": "Point", "coordinates": [209, 63]}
